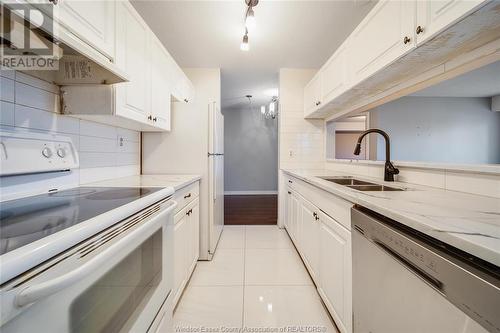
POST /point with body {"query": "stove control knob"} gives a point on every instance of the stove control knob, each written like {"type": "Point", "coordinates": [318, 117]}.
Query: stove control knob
{"type": "Point", "coordinates": [61, 153]}
{"type": "Point", "coordinates": [46, 152]}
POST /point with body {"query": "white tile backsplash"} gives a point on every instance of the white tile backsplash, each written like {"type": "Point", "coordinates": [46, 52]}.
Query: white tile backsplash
{"type": "Point", "coordinates": [29, 104]}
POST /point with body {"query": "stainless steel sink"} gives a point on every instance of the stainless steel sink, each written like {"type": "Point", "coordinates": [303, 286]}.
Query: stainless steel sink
{"type": "Point", "coordinates": [360, 185]}
{"type": "Point", "coordinates": [374, 187]}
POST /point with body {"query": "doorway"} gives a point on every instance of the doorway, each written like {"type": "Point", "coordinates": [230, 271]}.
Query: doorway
{"type": "Point", "coordinates": [250, 165]}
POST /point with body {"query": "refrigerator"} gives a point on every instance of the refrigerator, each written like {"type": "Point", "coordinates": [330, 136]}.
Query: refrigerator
{"type": "Point", "coordinates": [215, 162]}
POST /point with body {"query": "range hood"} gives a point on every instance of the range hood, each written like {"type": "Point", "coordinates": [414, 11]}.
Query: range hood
{"type": "Point", "coordinates": [75, 61]}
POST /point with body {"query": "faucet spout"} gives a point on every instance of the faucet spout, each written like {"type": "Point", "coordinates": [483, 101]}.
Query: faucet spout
{"type": "Point", "coordinates": [389, 170]}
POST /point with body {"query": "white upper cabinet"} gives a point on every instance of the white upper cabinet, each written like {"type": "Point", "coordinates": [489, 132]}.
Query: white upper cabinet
{"type": "Point", "coordinates": [385, 34]}
{"type": "Point", "coordinates": [312, 95]}
{"type": "Point", "coordinates": [92, 21]}
{"type": "Point", "coordinates": [160, 85]}
{"type": "Point", "coordinates": [183, 90]}
{"type": "Point", "coordinates": [434, 16]}
{"type": "Point", "coordinates": [133, 99]}
{"type": "Point", "coordinates": [334, 80]}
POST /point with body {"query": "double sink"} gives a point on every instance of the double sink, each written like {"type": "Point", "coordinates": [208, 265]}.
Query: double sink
{"type": "Point", "coordinates": [360, 185]}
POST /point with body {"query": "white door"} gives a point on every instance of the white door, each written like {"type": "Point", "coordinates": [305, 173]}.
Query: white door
{"type": "Point", "coordinates": [335, 271]}
{"type": "Point", "coordinates": [92, 21]}
{"type": "Point", "coordinates": [333, 75]}
{"type": "Point", "coordinates": [312, 95]}
{"type": "Point", "coordinates": [310, 236]}
{"type": "Point", "coordinates": [133, 56]}
{"type": "Point", "coordinates": [386, 34]}
{"type": "Point", "coordinates": [160, 88]}
{"type": "Point", "coordinates": [180, 254]}
{"type": "Point", "coordinates": [434, 16]}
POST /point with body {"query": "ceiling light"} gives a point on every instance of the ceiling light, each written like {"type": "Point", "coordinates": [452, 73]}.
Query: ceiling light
{"type": "Point", "coordinates": [250, 20]}
{"type": "Point", "coordinates": [244, 43]}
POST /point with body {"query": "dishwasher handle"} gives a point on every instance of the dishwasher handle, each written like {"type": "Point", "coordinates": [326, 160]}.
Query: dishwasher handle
{"type": "Point", "coordinates": [45, 289]}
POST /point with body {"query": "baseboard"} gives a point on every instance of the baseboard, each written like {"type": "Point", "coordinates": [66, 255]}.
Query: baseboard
{"type": "Point", "coordinates": [250, 192]}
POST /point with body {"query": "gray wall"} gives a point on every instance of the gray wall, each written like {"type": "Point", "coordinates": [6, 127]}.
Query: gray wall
{"type": "Point", "coordinates": [439, 129]}
{"type": "Point", "coordinates": [250, 151]}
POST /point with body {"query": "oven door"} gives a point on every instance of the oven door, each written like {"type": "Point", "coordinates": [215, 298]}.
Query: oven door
{"type": "Point", "coordinates": [115, 282]}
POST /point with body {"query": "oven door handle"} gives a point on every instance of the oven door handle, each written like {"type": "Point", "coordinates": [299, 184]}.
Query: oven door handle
{"type": "Point", "coordinates": [37, 292]}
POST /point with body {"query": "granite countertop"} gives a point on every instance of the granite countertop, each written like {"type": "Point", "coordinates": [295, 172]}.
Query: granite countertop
{"type": "Point", "coordinates": [466, 221]}
{"type": "Point", "coordinates": [175, 181]}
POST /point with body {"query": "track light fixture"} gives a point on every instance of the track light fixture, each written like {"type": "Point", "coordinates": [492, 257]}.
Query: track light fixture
{"type": "Point", "coordinates": [249, 23]}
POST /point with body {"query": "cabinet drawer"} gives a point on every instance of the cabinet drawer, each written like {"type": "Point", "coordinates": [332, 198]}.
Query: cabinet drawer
{"type": "Point", "coordinates": [329, 203]}
{"type": "Point", "coordinates": [186, 194]}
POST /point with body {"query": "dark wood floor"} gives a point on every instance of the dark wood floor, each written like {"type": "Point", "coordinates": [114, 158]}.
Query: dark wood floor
{"type": "Point", "coordinates": [250, 209]}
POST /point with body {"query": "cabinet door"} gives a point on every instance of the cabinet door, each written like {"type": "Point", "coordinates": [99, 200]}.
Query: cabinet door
{"type": "Point", "coordinates": [294, 219]}
{"type": "Point", "coordinates": [180, 255]}
{"type": "Point", "coordinates": [333, 75]}
{"type": "Point", "coordinates": [92, 21]}
{"type": "Point", "coordinates": [194, 221]}
{"type": "Point", "coordinates": [287, 210]}
{"type": "Point", "coordinates": [335, 271]}
{"type": "Point", "coordinates": [312, 95]}
{"type": "Point", "coordinates": [434, 16]}
{"type": "Point", "coordinates": [133, 56]}
{"type": "Point", "coordinates": [160, 85]}
{"type": "Point", "coordinates": [380, 38]}
{"type": "Point", "coordinates": [310, 236]}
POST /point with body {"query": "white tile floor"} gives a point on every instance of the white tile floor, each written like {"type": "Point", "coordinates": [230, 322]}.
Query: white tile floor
{"type": "Point", "coordinates": [256, 280]}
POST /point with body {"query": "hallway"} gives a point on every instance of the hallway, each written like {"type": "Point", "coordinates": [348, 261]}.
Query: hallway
{"type": "Point", "coordinates": [256, 281]}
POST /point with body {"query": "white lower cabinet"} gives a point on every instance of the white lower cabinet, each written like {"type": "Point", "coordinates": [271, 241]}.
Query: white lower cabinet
{"type": "Point", "coordinates": [335, 271]}
{"type": "Point", "coordinates": [309, 235]}
{"type": "Point", "coordinates": [324, 243]}
{"type": "Point", "coordinates": [186, 246]}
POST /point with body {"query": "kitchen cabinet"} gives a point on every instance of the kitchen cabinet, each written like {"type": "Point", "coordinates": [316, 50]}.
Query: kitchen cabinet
{"type": "Point", "coordinates": [396, 50]}
{"type": "Point", "coordinates": [434, 16]}
{"type": "Point", "coordinates": [334, 79]}
{"type": "Point", "coordinates": [133, 99]}
{"type": "Point", "coordinates": [322, 237]}
{"type": "Point", "coordinates": [309, 236]}
{"type": "Point", "coordinates": [386, 34]}
{"type": "Point", "coordinates": [186, 237]}
{"type": "Point", "coordinates": [335, 267]}
{"type": "Point", "coordinates": [91, 21]}
{"type": "Point", "coordinates": [312, 95]}
{"type": "Point", "coordinates": [183, 90]}
{"type": "Point", "coordinates": [160, 85]}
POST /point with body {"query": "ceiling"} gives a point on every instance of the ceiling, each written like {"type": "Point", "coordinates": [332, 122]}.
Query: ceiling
{"type": "Point", "coordinates": [481, 82]}
{"type": "Point", "coordinates": [292, 34]}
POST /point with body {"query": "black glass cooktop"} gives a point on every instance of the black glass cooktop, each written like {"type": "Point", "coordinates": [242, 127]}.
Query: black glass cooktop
{"type": "Point", "coordinates": [23, 221]}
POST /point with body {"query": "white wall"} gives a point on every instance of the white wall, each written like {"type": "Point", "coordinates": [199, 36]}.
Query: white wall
{"type": "Point", "coordinates": [250, 151]}
{"type": "Point", "coordinates": [439, 129]}
{"type": "Point", "coordinates": [30, 104]}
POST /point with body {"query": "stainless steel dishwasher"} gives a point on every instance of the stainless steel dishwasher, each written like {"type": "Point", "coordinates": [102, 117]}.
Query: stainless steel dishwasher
{"type": "Point", "coordinates": [405, 281]}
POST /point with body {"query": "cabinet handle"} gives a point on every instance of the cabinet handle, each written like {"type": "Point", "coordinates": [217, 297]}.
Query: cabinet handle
{"type": "Point", "coordinates": [187, 195]}
{"type": "Point", "coordinates": [419, 30]}
{"type": "Point", "coordinates": [54, 2]}
{"type": "Point", "coordinates": [150, 117]}
{"type": "Point", "coordinates": [406, 40]}
{"type": "Point", "coordinates": [154, 119]}
{"type": "Point", "coordinates": [319, 102]}
{"type": "Point", "coordinates": [314, 214]}
{"type": "Point", "coordinates": [186, 100]}
{"type": "Point", "coordinates": [289, 192]}
{"type": "Point", "coordinates": [290, 181]}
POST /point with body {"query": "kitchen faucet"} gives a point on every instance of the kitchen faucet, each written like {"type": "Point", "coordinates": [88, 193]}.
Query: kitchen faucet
{"type": "Point", "coordinates": [389, 170]}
